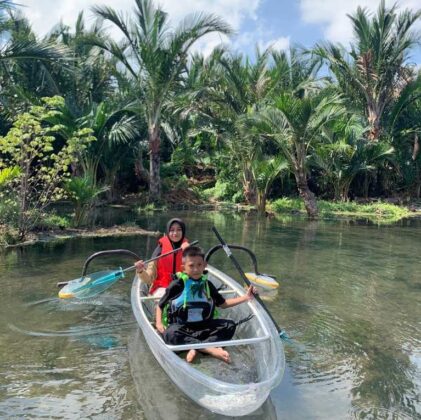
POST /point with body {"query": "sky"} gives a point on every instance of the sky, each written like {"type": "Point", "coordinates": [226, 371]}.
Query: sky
{"type": "Point", "coordinates": [279, 23]}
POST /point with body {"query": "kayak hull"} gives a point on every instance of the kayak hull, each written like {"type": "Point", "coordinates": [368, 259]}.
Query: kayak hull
{"type": "Point", "coordinates": [214, 384]}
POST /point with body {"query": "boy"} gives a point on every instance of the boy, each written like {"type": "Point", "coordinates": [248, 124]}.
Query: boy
{"type": "Point", "coordinates": [189, 303]}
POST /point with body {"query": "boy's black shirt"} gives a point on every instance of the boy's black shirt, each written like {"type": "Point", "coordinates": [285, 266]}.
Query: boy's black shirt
{"type": "Point", "coordinates": [176, 287]}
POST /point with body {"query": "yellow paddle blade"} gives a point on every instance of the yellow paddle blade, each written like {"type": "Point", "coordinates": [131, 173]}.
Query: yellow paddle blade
{"type": "Point", "coordinates": [262, 280]}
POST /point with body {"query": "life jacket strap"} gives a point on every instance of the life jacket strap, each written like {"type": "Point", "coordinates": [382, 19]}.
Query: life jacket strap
{"type": "Point", "coordinates": [242, 321]}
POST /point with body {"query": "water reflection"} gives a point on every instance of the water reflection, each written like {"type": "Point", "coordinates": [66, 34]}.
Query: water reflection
{"type": "Point", "coordinates": [160, 398]}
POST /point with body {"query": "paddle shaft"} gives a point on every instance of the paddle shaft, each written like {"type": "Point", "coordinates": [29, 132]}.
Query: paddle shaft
{"type": "Point", "coordinates": [63, 283]}
{"type": "Point", "coordinates": [159, 256]}
{"type": "Point", "coordinates": [243, 275]}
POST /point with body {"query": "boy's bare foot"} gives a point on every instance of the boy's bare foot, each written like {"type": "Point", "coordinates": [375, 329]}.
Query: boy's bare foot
{"type": "Point", "coordinates": [219, 353]}
{"type": "Point", "coordinates": [191, 355]}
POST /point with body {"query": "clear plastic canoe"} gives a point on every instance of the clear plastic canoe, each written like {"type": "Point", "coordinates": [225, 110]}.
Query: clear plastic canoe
{"type": "Point", "coordinates": [257, 354]}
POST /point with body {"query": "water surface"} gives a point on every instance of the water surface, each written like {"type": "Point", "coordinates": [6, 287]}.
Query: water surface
{"type": "Point", "coordinates": [349, 298]}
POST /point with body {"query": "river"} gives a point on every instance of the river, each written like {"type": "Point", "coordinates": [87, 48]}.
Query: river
{"type": "Point", "coordinates": [349, 298]}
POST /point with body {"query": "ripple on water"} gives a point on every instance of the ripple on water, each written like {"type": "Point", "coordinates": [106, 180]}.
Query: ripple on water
{"type": "Point", "coordinates": [381, 413]}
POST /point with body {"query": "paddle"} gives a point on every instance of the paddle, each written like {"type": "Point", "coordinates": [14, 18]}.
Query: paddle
{"type": "Point", "coordinates": [95, 283]}
{"type": "Point", "coordinates": [282, 334]}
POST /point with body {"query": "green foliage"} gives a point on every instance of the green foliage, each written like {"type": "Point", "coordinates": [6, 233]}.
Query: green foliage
{"type": "Point", "coordinates": [9, 210]}
{"type": "Point", "coordinates": [287, 205]}
{"type": "Point", "coordinates": [148, 98]}
{"type": "Point", "coordinates": [43, 165]}
{"type": "Point", "coordinates": [82, 191]}
{"type": "Point", "coordinates": [52, 221]}
{"type": "Point", "coordinates": [334, 208]}
{"type": "Point", "coordinates": [344, 153]}
{"type": "Point", "coordinates": [8, 174]}
{"type": "Point", "coordinates": [264, 172]}
{"type": "Point", "coordinates": [8, 235]}
{"type": "Point", "coordinates": [373, 73]}
{"type": "Point", "coordinates": [223, 191]}
{"type": "Point", "coordinates": [150, 208]}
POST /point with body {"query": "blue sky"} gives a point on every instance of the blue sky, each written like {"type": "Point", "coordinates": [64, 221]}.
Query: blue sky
{"type": "Point", "coordinates": [257, 22]}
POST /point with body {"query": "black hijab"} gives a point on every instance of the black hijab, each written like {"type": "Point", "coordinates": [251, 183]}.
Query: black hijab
{"type": "Point", "coordinates": [183, 231]}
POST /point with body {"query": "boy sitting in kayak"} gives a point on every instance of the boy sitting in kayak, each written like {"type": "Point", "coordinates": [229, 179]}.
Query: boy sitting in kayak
{"type": "Point", "coordinates": [189, 305]}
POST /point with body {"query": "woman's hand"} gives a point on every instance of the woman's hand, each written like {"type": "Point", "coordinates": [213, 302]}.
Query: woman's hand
{"type": "Point", "coordinates": [140, 266]}
{"type": "Point", "coordinates": [184, 245]}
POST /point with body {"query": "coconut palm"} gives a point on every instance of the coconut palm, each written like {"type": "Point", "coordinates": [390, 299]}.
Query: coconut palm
{"type": "Point", "coordinates": [374, 72]}
{"type": "Point", "coordinates": [155, 56]}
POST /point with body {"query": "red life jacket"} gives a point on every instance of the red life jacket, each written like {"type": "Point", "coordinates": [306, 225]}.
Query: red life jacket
{"type": "Point", "coordinates": [165, 265]}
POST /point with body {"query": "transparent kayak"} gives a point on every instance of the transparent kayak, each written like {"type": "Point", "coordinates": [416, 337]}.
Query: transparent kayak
{"type": "Point", "coordinates": [257, 354]}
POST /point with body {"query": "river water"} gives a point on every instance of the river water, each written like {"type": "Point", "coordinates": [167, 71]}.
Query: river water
{"type": "Point", "coordinates": [349, 298]}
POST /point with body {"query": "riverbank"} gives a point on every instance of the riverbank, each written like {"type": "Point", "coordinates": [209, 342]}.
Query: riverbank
{"type": "Point", "coordinates": [64, 234]}
{"type": "Point", "coordinates": [381, 213]}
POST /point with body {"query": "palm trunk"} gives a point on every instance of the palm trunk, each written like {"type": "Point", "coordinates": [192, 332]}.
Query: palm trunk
{"type": "Point", "coordinates": [261, 203]}
{"type": "Point", "coordinates": [111, 181]}
{"type": "Point", "coordinates": [154, 164]}
{"type": "Point", "coordinates": [308, 197]}
{"type": "Point", "coordinates": [374, 121]}
{"type": "Point", "coordinates": [249, 187]}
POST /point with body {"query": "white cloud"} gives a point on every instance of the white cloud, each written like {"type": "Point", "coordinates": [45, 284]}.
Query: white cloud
{"type": "Point", "coordinates": [281, 43]}
{"type": "Point", "coordinates": [333, 14]}
{"type": "Point", "coordinates": [261, 37]}
{"type": "Point", "coordinates": [44, 14]}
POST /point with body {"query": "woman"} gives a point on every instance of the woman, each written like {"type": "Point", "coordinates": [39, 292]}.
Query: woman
{"type": "Point", "coordinates": [160, 273]}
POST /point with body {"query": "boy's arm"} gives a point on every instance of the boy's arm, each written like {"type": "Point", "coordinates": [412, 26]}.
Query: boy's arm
{"type": "Point", "coordinates": [174, 289]}
{"type": "Point", "coordinates": [240, 299]}
{"type": "Point", "coordinates": [158, 317]}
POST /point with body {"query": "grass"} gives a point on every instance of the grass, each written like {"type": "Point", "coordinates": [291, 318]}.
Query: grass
{"type": "Point", "coordinates": [327, 209]}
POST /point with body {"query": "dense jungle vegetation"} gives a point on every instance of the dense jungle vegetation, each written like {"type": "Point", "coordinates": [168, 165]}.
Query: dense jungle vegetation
{"type": "Point", "coordinates": [87, 118]}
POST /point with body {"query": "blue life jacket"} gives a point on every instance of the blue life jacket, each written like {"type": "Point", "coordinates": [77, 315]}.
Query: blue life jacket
{"type": "Point", "coordinates": [194, 304]}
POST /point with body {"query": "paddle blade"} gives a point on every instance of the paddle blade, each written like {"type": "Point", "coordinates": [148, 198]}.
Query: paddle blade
{"type": "Point", "coordinates": [262, 280]}
{"type": "Point", "coordinates": [90, 285]}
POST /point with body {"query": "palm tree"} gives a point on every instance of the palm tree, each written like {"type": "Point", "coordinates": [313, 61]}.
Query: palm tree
{"type": "Point", "coordinates": [116, 130]}
{"type": "Point", "coordinates": [234, 88]}
{"type": "Point", "coordinates": [295, 124]}
{"type": "Point", "coordinates": [374, 72]}
{"type": "Point", "coordinates": [155, 56]}
{"type": "Point", "coordinates": [92, 75]}
{"type": "Point", "coordinates": [265, 171]}
{"type": "Point", "coordinates": [344, 153]}
{"type": "Point", "coordinates": [22, 49]}
{"type": "Point", "coordinates": [25, 64]}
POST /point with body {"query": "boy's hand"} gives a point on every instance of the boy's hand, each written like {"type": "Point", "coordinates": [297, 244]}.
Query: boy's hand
{"type": "Point", "coordinates": [251, 291]}
{"type": "Point", "coordinates": [160, 327]}
{"type": "Point", "coordinates": [140, 266]}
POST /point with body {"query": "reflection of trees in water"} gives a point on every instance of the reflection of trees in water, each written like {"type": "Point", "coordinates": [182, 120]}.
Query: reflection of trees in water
{"type": "Point", "coordinates": [349, 324]}
{"type": "Point", "coordinates": [382, 369]}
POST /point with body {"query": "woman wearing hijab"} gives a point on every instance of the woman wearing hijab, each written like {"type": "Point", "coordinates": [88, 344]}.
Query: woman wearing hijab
{"type": "Point", "coordinates": [159, 273]}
